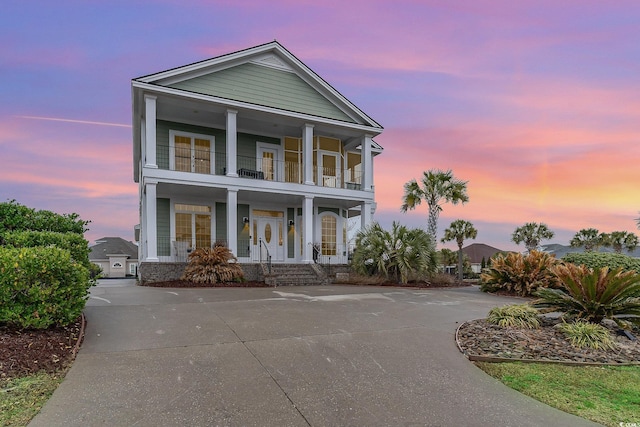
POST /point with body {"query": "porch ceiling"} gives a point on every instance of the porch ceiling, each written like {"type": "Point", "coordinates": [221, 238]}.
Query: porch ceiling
{"type": "Point", "coordinates": [207, 194]}
{"type": "Point", "coordinates": [250, 121]}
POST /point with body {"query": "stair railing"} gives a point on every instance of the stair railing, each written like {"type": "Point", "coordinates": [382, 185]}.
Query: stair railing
{"type": "Point", "coordinates": [268, 255]}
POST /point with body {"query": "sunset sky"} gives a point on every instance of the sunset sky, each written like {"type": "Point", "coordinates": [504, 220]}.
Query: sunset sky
{"type": "Point", "coordinates": [535, 103]}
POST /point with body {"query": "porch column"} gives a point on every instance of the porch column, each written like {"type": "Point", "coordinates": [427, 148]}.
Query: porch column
{"type": "Point", "coordinates": [232, 221]}
{"type": "Point", "coordinates": [150, 131]}
{"type": "Point", "coordinates": [232, 143]}
{"type": "Point", "coordinates": [307, 152]}
{"type": "Point", "coordinates": [151, 226]}
{"type": "Point", "coordinates": [366, 217]}
{"type": "Point", "coordinates": [307, 233]}
{"type": "Point", "coordinates": [367, 163]}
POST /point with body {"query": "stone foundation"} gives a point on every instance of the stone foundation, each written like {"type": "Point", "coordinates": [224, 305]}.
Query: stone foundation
{"type": "Point", "coordinates": [150, 272]}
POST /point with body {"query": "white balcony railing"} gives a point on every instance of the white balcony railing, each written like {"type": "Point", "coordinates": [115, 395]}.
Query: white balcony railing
{"type": "Point", "coordinates": [214, 163]}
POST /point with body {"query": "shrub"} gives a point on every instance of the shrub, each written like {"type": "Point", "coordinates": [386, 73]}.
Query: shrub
{"type": "Point", "coordinates": [584, 334]}
{"type": "Point", "coordinates": [442, 279]}
{"type": "Point", "coordinates": [593, 294]}
{"type": "Point", "coordinates": [17, 217]}
{"type": "Point", "coordinates": [212, 265]}
{"type": "Point", "coordinates": [399, 254]}
{"type": "Point", "coordinates": [603, 259]}
{"type": "Point", "coordinates": [75, 243]}
{"type": "Point", "coordinates": [41, 287]}
{"type": "Point", "coordinates": [519, 274]}
{"type": "Point", "coordinates": [516, 315]}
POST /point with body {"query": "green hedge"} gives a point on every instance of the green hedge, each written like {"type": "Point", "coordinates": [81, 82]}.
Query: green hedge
{"type": "Point", "coordinates": [41, 287]}
{"type": "Point", "coordinates": [73, 242]}
{"type": "Point", "coordinates": [603, 259]}
{"type": "Point", "coordinates": [17, 217]}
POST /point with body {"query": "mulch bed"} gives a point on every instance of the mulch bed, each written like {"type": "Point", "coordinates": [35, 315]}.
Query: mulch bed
{"type": "Point", "coordinates": [27, 351]}
{"type": "Point", "coordinates": [547, 344]}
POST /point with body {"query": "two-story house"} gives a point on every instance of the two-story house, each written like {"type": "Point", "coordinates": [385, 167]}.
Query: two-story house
{"type": "Point", "coordinates": [253, 150]}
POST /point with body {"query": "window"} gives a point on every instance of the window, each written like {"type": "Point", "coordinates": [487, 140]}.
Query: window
{"type": "Point", "coordinates": [193, 225]}
{"type": "Point", "coordinates": [117, 265]}
{"type": "Point", "coordinates": [329, 235]}
{"type": "Point", "coordinates": [191, 152]}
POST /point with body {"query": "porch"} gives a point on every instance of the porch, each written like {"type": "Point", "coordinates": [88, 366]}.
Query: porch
{"type": "Point", "coordinates": [199, 159]}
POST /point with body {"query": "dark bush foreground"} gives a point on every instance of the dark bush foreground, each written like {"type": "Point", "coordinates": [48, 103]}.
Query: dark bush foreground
{"type": "Point", "coordinates": [41, 287]}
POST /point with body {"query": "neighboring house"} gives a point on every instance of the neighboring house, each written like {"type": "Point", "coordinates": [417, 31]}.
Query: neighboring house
{"type": "Point", "coordinates": [253, 150]}
{"type": "Point", "coordinates": [477, 252]}
{"type": "Point", "coordinates": [115, 256]}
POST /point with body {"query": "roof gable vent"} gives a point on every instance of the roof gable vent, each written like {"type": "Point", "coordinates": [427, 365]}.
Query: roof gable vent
{"type": "Point", "coordinates": [271, 60]}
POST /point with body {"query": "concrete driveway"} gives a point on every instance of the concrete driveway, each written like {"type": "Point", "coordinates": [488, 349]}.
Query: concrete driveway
{"type": "Point", "coordinates": [287, 356]}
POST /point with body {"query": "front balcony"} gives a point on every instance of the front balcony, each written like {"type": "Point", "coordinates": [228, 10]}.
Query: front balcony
{"type": "Point", "coordinates": [205, 161]}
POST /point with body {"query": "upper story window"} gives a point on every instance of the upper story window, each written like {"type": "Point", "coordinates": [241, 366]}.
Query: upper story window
{"type": "Point", "coordinates": [191, 152]}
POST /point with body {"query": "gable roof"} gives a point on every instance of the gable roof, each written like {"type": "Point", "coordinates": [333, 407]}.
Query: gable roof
{"type": "Point", "coordinates": [112, 246]}
{"type": "Point", "coordinates": [477, 251]}
{"type": "Point", "coordinates": [266, 75]}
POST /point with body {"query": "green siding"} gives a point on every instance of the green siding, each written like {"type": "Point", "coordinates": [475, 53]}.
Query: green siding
{"type": "Point", "coordinates": [243, 232]}
{"type": "Point", "coordinates": [291, 235]}
{"type": "Point", "coordinates": [163, 226]}
{"type": "Point", "coordinates": [264, 86]}
{"type": "Point", "coordinates": [162, 138]}
{"type": "Point", "coordinates": [221, 222]}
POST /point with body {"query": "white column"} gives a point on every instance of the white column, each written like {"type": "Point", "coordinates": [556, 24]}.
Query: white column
{"type": "Point", "coordinates": [150, 131]}
{"type": "Point", "coordinates": [307, 152]}
{"type": "Point", "coordinates": [367, 163]}
{"type": "Point", "coordinates": [307, 233]}
{"type": "Point", "coordinates": [366, 217]}
{"type": "Point", "coordinates": [232, 143]}
{"type": "Point", "coordinates": [232, 221]}
{"type": "Point", "coordinates": [151, 226]}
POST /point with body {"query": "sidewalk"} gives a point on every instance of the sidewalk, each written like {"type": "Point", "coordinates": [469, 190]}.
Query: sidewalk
{"type": "Point", "coordinates": [292, 356]}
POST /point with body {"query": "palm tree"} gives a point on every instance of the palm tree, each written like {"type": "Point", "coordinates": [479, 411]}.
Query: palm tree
{"type": "Point", "coordinates": [589, 238]}
{"type": "Point", "coordinates": [438, 187]}
{"type": "Point", "coordinates": [459, 230]}
{"type": "Point", "coordinates": [398, 254]}
{"type": "Point", "coordinates": [531, 234]}
{"type": "Point", "coordinates": [620, 239]}
{"type": "Point", "coordinates": [638, 222]}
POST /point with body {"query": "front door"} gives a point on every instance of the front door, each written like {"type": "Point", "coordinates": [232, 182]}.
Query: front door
{"type": "Point", "coordinates": [270, 230]}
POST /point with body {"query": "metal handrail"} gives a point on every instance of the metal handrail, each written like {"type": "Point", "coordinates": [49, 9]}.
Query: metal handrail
{"type": "Point", "coordinates": [268, 254]}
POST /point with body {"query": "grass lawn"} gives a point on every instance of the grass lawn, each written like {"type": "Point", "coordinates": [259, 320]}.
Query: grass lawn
{"type": "Point", "coordinates": [22, 398]}
{"type": "Point", "coordinates": [606, 395]}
